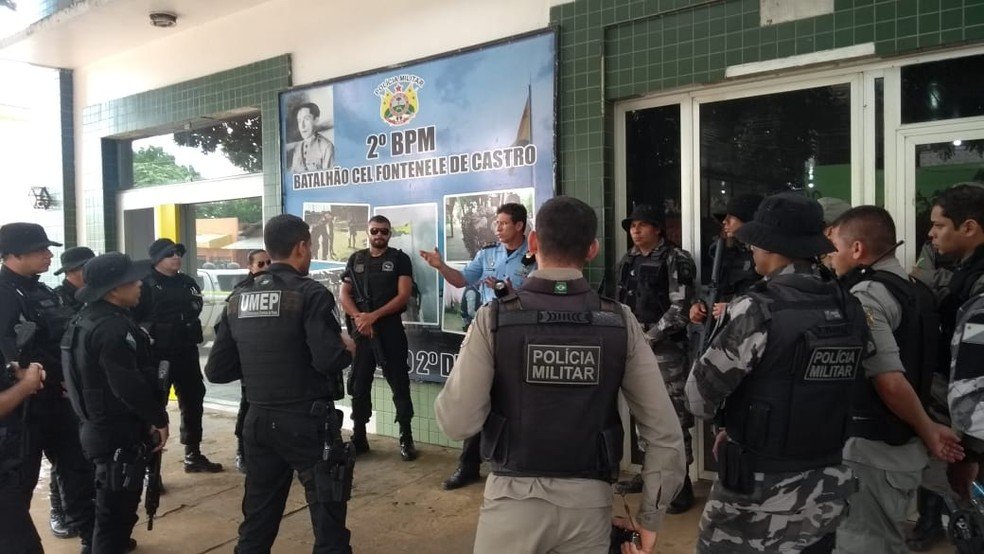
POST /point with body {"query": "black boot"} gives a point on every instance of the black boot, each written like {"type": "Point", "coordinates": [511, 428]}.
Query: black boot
{"type": "Point", "coordinates": [359, 440]}
{"type": "Point", "coordinates": [240, 457]}
{"type": "Point", "coordinates": [462, 477]}
{"type": "Point", "coordinates": [196, 462]}
{"type": "Point", "coordinates": [929, 527]}
{"type": "Point", "coordinates": [684, 499]}
{"type": "Point", "coordinates": [57, 519]}
{"type": "Point", "coordinates": [408, 451]}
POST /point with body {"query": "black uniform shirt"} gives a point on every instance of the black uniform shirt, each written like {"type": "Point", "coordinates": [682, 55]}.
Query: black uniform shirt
{"type": "Point", "coordinates": [328, 353]}
{"type": "Point", "coordinates": [184, 298]}
{"type": "Point", "coordinates": [17, 294]}
{"type": "Point", "coordinates": [382, 273]}
{"type": "Point", "coordinates": [121, 350]}
{"type": "Point", "coordinates": [66, 291]}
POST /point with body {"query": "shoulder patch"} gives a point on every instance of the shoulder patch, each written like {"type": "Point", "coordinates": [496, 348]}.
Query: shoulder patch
{"type": "Point", "coordinates": [131, 341]}
{"type": "Point", "coordinates": [488, 245]}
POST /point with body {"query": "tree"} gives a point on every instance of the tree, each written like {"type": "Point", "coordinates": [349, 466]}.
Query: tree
{"type": "Point", "coordinates": [241, 141]}
{"type": "Point", "coordinates": [153, 166]}
{"type": "Point", "coordinates": [248, 210]}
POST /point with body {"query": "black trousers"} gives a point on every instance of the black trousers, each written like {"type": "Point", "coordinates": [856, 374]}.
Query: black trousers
{"type": "Point", "coordinates": [17, 532]}
{"type": "Point", "coordinates": [396, 371]}
{"type": "Point", "coordinates": [186, 376]}
{"type": "Point", "coordinates": [116, 514]}
{"type": "Point", "coordinates": [54, 432]}
{"type": "Point", "coordinates": [277, 445]}
{"type": "Point", "coordinates": [471, 453]}
{"type": "Point", "coordinates": [241, 415]}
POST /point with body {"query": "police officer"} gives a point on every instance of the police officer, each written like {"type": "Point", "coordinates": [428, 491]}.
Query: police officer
{"type": "Point", "coordinates": [16, 385]}
{"type": "Point", "coordinates": [509, 261]}
{"type": "Point", "coordinates": [72, 261]}
{"type": "Point", "coordinates": [737, 265]}
{"type": "Point", "coordinates": [278, 334]}
{"type": "Point", "coordinates": [957, 233]}
{"type": "Point", "coordinates": [52, 427]}
{"type": "Point", "coordinates": [776, 375]}
{"type": "Point", "coordinates": [548, 412]}
{"type": "Point", "coordinates": [112, 381]}
{"type": "Point", "coordinates": [257, 261]}
{"type": "Point", "coordinates": [891, 434]}
{"type": "Point", "coordinates": [170, 304]}
{"type": "Point", "coordinates": [656, 280]}
{"type": "Point", "coordinates": [385, 276]}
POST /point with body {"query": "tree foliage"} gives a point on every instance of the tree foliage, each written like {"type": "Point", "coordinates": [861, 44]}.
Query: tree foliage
{"type": "Point", "coordinates": [153, 166]}
{"type": "Point", "coordinates": [248, 210]}
{"type": "Point", "coordinates": [241, 141]}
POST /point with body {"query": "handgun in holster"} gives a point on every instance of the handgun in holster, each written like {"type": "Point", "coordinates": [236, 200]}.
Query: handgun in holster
{"type": "Point", "coordinates": [334, 471]}
{"type": "Point", "coordinates": [735, 468]}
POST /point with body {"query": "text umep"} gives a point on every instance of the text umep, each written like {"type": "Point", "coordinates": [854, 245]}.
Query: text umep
{"type": "Point", "coordinates": [260, 304]}
{"type": "Point", "coordinates": [559, 364]}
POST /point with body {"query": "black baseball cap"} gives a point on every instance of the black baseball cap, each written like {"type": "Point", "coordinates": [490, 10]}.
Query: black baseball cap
{"type": "Point", "coordinates": [23, 238]}
{"type": "Point", "coordinates": [164, 248]}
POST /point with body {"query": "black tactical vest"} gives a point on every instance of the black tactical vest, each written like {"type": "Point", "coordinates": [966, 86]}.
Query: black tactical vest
{"type": "Point", "coordinates": [41, 305]}
{"type": "Point", "coordinates": [266, 319]}
{"type": "Point", "coordinates": [176, 303]}
{"type": "Point", "coordinates": [66, 291]}
{"type": "Point", "coordinates": [738, 270]}
{"type": "Point", "coordinates": [559, 357]}
{"type": "Point", "coordinates": [871, 418]}
{"type": "Point", "coordinates": [791, 412]}
{"type": "Point", "coordinates": [650, 297]}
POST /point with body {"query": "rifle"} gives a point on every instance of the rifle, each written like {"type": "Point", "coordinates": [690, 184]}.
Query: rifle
{"type": "Point", "coordinates": [152, 496]}
{"type": "Point", "coordinates": [711, 294]}
{"type": "Point", "coordinates": [24, 333]}
{"type": "Point", "coordinates": [362, 302]}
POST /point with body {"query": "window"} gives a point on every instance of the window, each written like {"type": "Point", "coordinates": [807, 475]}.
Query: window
{"type": "Point", "coordinates": [946, 89]}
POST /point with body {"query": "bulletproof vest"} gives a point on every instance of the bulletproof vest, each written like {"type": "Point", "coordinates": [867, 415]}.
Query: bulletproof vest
{"type": "Point", "coordinates": [66, 291]}
{"type": "Point", "coordinates": [738, 269]}
{"type": "Point", "coordinates": [44, 307]}
{"type": "Point", "coordinates": [650, 298]}
{"type": "Point", "coordinates": [266, 319]}
{"type": "Point", "coordinates": [791, 412]}
{"type": "Point", "coordinates": [369, 281]}
{"type": "Point", "coordinates": [961, 286]}
{"type": "Point", "coordinates": [175, 306]}
{"type": "Point", "coordinates": [559, 353]}
{"type": "Point", "coordinates": [916, 339]}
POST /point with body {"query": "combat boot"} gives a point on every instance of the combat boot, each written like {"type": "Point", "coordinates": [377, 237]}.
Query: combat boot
{"type": "Point", "coordinates": [196, 462]}
{"type": "Point", "coordinates": [929, 527]}
{"type": "Point", "coordinates": [462, 477]}
{"type": "Point", "coordinates": [684, 500]}
{"type": "Point", "coordinates": [408, 451]}
{"type": "Point", "coordinates": [57, 519]}
{"type": "Point", "coordinates": [359, 439]}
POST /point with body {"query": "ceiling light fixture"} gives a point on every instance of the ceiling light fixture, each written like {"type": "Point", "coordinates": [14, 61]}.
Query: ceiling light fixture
{"type": "Point", "coordinates": [163, 19]}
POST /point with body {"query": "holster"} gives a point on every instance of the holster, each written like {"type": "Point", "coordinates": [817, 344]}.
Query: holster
{"type": "Point", "coordinates": [333, 479]}
{"type": "Point", "coordinates": [124, 473]}
{"type": "Point", "coordinates": [735, 468]}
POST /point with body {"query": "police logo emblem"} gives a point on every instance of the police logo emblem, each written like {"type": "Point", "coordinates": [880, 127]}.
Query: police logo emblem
{"type": "Point", "coordinates": [388, 266]}
{"type": "Point", "coordinates": [359, 268]}
{"type": "Point", "coordinates": [560, 287]}
{"type": "Point", "coordinates": [130, 341]}
{"type": "Point", "coordinates": [833, 363]}
{"type": "Point", "coordinates": [398, 99]}
{"type": "Point", "coordinates": [550, 364]}
{"type": "Point", "coordinates": [259, 304]}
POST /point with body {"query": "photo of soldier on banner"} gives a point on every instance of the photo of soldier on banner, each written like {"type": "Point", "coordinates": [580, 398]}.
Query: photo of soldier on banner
{"type": "Point", "coordinates": [459, 305]}
{"type": "Point", "coordinates": [414, 227]}
{"type": "Point", "coordinates": [337, 230]}
{"type": "Point", "coordinates": [310, 137]}
{"type": "Point", "coordinates": [469, 220]}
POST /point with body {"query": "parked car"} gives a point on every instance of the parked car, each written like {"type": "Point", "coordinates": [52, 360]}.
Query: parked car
{"type": "Point", "coordinates": [216, 286]}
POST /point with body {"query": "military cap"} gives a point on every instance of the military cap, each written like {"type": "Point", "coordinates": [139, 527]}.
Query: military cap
{"type": "Point", "coordinates": [74, 258]}
{"type": "Point", "coordinates": [164, 248]}
{"type": "Point", "coordinates": [104, 273]}
{"type": "Point", "coordinates": [23, 238]}
{"type": "Point", "coordinates": [789, 224]}
{"type": "Point", "coordinates": [644, 212]}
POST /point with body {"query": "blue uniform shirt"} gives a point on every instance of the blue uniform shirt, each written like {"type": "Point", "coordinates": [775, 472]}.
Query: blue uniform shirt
{"type": "Point", "coordinates": [493, 261]}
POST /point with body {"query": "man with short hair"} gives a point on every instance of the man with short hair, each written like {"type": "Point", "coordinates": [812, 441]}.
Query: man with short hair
{"type": "Point", "coordinates": [892, 436]}
{"type": "Point", "coordinates": [508, 261]}
{"type": "Point", "coordinates": [548, 412]}
{"type": "Point", "coordinates": [170, 303]}
{"type": "Point", "coordinates": [279, 336]}
{"type": "Point", "coordinates": [113, 383]}
{"type": "Point", "coordinates": [776, 376]}
{"type": "Point", "coordinates": [51, 425]}
{"type": "Point", "coordinates": [384, 278]}
{"type": "Point", "coordinates": [314, 152]}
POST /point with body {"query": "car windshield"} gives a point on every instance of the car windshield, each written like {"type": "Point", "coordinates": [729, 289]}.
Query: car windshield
{"type": "Point", "coordinates": [228, 282]}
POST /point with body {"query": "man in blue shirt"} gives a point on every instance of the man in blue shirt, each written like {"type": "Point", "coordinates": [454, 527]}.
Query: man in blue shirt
{"type": "Point", "coordinates": [507, 261]}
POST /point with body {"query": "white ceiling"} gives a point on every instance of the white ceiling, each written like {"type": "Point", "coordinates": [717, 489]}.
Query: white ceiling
{"type": "Point", "coordinates": [95, 29]}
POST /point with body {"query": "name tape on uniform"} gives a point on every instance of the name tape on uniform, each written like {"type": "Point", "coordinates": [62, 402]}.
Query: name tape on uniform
{"type": "Point", "coordinates": [561, 364]}
{"type": "Point", "coordinates": [259, 304]}
{"type": "Point", "coordinates": [833, 363]}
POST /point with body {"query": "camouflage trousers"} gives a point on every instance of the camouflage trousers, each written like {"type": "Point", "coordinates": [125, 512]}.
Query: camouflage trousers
{"type": "Point", "coordinates": [786, 512]}
{"type": "Point", "coordinates": [674, 366]}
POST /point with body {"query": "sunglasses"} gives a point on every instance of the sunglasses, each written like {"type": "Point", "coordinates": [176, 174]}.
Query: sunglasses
{"type": "Point", "coordinates": [379, 231]}
{"type": "Point", "coordinates": [263, 263]}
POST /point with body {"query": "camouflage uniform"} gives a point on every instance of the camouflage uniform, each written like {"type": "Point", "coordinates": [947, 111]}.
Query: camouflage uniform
{"type": "Point", "coordinates": [966, 391]}
{"type": "Point", "coordinates": [667, 335]}
{"type": "Point", "coordinates": [785, 512]}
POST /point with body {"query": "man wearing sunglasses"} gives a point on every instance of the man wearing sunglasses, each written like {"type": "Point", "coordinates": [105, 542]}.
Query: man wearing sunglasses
{"type": "Point", "coordinates": [170, 303]}
{"type": "Point", "coordinates": [376, 287]}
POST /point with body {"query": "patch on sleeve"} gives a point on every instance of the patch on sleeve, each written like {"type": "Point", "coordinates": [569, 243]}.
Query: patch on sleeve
{"type": "Point", "coordinates": [130, 341]}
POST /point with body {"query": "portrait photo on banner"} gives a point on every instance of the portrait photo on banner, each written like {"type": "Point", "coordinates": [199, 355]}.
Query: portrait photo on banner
{"type": "Point", "coordinates": [310, 131]}
{"type": "Point", "coordinates": [414, 228]}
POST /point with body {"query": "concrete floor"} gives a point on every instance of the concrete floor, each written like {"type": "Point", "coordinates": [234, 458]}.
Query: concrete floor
{"type": "Point", "coordinates": [396, 506]}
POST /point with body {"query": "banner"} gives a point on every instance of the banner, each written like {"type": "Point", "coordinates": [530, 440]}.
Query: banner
{"type": "Point", "coordinates": [435, 146]}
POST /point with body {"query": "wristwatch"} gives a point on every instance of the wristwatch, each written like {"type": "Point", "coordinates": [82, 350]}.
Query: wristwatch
{"type": "Point", "coordinates": [7, 376]}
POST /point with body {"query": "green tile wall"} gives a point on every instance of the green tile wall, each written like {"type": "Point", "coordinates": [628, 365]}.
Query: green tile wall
{"type": "Point", "coordinates": [423, 394]}
{"type": "Point", "coordinates": [611, 50]}
{"type": "Point", "coordinates": [153, 112]}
